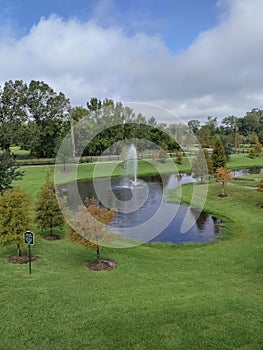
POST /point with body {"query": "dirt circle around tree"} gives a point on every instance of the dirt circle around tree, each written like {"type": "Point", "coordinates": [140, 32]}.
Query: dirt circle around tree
{"type": "Point", "coordinates": [222, 195]}
{"type": "Point", "coordinates": [101, 264]}
{"type": "Point", "coordinates": [52, 237]}
{"type": "Point", "coordinates": [21, 259]}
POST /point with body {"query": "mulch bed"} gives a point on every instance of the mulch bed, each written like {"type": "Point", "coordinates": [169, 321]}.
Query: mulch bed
{"type": "Point", "coordinates": [23, 259]}
{"type": "Point", "coordinates": [52, 237]}
{"type": "Point", "coordinates": [102, 264]}
{"type": "Point", "coordinates": [222, 195]}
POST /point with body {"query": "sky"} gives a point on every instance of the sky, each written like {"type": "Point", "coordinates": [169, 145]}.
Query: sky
{"type": "Point", "coordinates": [195, 58]}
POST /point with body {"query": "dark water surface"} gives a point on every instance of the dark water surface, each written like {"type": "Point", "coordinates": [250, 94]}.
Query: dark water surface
{"type": "Point", "coordinates": [141, 224]}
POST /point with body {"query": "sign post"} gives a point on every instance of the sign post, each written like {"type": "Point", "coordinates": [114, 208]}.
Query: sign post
{"type": "Point", "coordinates": [29, 240]}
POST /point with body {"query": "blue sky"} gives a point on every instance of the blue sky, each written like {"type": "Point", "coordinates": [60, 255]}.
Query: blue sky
{"type": "Point", "coordinates": [177, 22]}
{"type": "Point", "coordinates": [192, 57]}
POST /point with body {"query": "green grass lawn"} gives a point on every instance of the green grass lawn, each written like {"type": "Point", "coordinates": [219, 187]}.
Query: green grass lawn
{"type": "Point", "coordinates": [188, 297]}
{"type": "Point", "coordinates": [243, 161]}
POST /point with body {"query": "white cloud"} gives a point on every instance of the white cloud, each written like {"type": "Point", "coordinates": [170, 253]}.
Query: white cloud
{"type": "Point", "coordinates": [220, 74]}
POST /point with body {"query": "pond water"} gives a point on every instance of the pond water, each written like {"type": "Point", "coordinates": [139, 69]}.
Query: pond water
{"type": "Point", "coordinates": [140, 223]}
{"type": "Point", "coordinates": [247, 171]}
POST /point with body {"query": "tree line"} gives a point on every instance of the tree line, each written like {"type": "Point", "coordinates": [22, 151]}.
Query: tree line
{"type": "Point", "coordinates": [36, 118]}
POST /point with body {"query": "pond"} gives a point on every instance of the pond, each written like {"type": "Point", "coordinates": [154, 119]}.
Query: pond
{"type": "Point", "coordinates": [247, 171]}
{"type": "Point", "coordinates": [151, 218]}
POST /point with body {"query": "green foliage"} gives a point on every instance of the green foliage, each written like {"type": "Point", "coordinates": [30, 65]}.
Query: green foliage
{"type": "Point", "coordinates": [12, 112]}
{"type": "Point", "coordinates": [48, 213]}
{"type": "Point", "coordinates": [255, 151]}
{"type": "Point", "coordinates": [202, 165]}
{"type": "Point", "coordinates": [8, 171]}
{"type": "Point", "coordinates": [218, 155]}
{"type": "Point", "coordinates": [14, 216]}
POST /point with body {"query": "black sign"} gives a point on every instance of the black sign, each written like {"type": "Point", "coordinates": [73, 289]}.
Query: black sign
{"type": "Point", "coordinates": [28, 237]}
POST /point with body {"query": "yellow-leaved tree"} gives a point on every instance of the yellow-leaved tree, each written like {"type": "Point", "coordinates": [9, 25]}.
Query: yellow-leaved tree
{"type": "Point", "coordinates": [224, 176]}
{"type": "Point", "coordinates": [91, 221]}
{"type": "Point", "coordinates": [14, 217]}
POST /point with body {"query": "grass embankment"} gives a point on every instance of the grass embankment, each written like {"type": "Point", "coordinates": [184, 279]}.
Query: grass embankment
{"type": "Point", "coordinates": [159, 297]}
{"type": "Point", "coordinates": [244, 161]}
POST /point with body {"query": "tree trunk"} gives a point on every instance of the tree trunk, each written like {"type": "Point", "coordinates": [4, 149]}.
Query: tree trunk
{"type": "Point", "coordinates": [19, 250]}
{"type": "Point", "coordinates": [98, 252]}
{"type": "Point", "coordinates": [223, 189]}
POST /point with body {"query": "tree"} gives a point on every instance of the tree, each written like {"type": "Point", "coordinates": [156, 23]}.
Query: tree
{"type": "Point", "coordinates": [223, 175]}
{"type": "Point", "coordinates": [179, 157]}
{"type": "Point", "coordinates": [14, 217]}
{"type": "Point", "coordinates": [91, 220]}
{"type": "Point", "coordinates": [211, 124]}
{"type": "Point", "coordinates": [218, 155]}
{"type": "Point", "coordinates": [13, 112]}
{"type": "Point", "coordinates": [255, 151]}
{"type": "Point", "coordinates": [8, 171]}
{"type": "Point", "coordinates": [205, 137]}
{"type": "Point", "coordinates": [202, 165]}
{"type": "Point", "coordinates": [194, 125]}
{"type": "Point", "coordinates": [48, 213]}
{"type": "Point", "coordinates": [49, 112]}
{"type": "Point", "coordinates": [163, 156]}
{"type": "Point", "coordinates": [260, 186]}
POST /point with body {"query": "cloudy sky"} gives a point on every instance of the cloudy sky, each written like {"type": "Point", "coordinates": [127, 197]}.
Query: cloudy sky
{"type": "Point", "coordinates": [193, 57]}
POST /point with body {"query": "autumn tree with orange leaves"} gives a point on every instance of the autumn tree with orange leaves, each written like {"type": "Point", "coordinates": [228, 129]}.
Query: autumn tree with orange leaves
{"type": "Point", "coordinates": [224, 176]}
{"type": "Point", "coordinates": [91, 221]}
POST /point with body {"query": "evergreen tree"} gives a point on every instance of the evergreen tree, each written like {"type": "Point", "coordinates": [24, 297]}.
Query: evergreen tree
{"type": "Point", "coordinates": [14, 217]}
{"type": "Point", "coordinates": [48, 213]}
{"type": "Point", "coordinates": [8, 171]}
{"type": "Point", "coordinates": [218, 155]}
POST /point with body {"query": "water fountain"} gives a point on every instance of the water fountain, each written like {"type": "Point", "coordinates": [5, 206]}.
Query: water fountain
{"type": "Point", "coordinates": [132, 164]}
{"type": "Point", "coordinates": [132, 169]}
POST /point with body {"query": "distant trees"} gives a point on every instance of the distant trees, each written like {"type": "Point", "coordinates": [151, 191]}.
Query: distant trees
{"type": "Point", "coordinates": [90, 221]}
{"type": "Point", "coordinates": [37, 118]}
{"type": "Point", "coordinates": [14, 217]}
{"type": "Point", "coordinates": [48, 213]}
{"type": "Point", "coordinates": [8, 171]}
{"type": "Point", "coordinates": [31, 116]}
{"type": "Point", "coordinates": [224, 176]}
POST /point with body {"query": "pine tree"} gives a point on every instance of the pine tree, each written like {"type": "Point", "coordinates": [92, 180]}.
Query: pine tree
{"type": "Point", "coordinates": [48, 213]}
{"type": "Point", "coordinates": [90, 222]}
{"type": "Point", "coordinates": [8, 171]}
{"type": "Point", "coordinates": [218, 155]}
{"type": "Point", "coordinates": [14, 217]}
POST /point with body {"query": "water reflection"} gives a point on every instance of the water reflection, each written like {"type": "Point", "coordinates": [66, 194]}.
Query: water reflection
{"type": "Point", "coordinates": [204, 227]}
